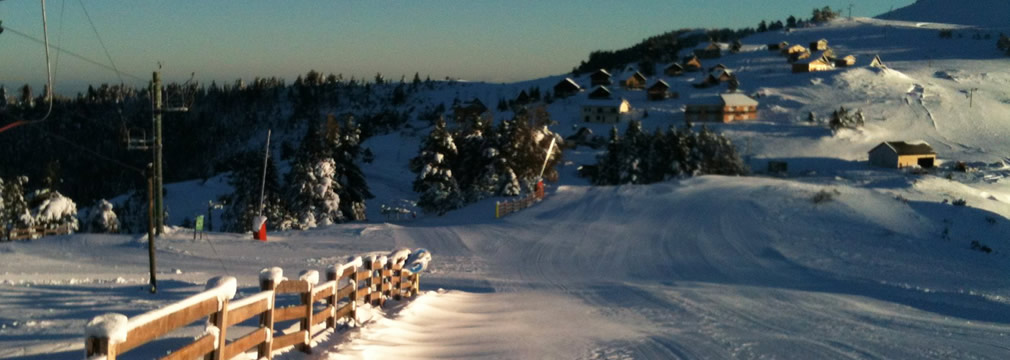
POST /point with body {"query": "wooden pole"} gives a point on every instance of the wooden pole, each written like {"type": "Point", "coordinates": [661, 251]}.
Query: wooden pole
{"type": "Point", "coordinates": [159, 205]}
{"type": "Point", "coordinates": [150, 228]}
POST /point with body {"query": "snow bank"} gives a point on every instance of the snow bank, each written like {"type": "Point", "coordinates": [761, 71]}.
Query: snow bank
{"type": "Point", "coordinates": [111, 326]}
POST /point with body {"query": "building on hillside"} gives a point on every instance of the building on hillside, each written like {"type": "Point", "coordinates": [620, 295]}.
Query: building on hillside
{"type": "Point", "coordinates": [717, 67]}
{"type": "Point", "coordinates": [736, 46]}
{"type": "Point", "coordinates": [634, 82]}
{"type": "Point", "coordinates": [468, 111]}
{"type": "Point", "coordinates": [819, 45]}
{"type": "Point", "coordinates": [778, 46]}
{"type": "Point", "coordinates": [674, 69]}
{"type": "Point", "coordinates": [795, 49]}
{"type": "Point", "coordinates": [794, 57]}
{"type": "Point", "coordinates": [721, 108]}
{"type": "Point", "coordinates": [565, 88]}
{"type": "Point", "coordinates": [899, 154]}
{"type": "Point", "coordinates": [660, 91]}
{"type": "Point", "coordinates": [692, 63]}
{"type": "Point", "coordinates": [600, 77]}
{"type": "Point", "coordinates": [712, 51]}
{"type": "Point", "coordinates": [821, 63]}
{"type": "Point", "coordinates": [599, 92]}
{"type": "Point", "coordinates": [846, 61]}
{"type": "Point", "coordinates": [605, 110]}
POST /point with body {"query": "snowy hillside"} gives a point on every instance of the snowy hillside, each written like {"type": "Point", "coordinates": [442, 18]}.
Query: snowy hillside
{"type": "Point", "coordinates": [882, 265]}
{"type": "Point", "coordinates": [984, 13]}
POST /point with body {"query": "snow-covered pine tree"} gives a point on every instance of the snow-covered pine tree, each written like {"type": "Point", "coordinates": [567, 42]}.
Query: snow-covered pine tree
{"type": "Point", "coordinates": [353, 187]}
{"type": "Point", "coordinates": [472, 164]}
{"type": "Point", "coordinates": [608, 165]}
{"type": "Point", "coordinates": [102, 219]}
{"type": "Point", "coordinates": [51, 210]}
{"type": "Point", "coordinates": [635, 149]}
{"type": "Point", "coordinates": [15, 208]}
{"type": "Point", "coordinates": [439, 192]}
{"type": "Point", "coordinates": [720, 156]}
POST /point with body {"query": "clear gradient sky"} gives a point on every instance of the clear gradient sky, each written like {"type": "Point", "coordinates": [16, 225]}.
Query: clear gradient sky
{"type": "Point", "coordinates": [495, 41]}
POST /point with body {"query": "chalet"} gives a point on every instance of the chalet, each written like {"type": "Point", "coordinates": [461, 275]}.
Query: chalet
{"type": "Point", "coordinates": [722, 108]}
{"type": "Point", "coordinates": [821, 63]}
{"type": "Point", "coordinates": [721, 75]}
{"type": "Point", "coordinates": [899, 154]}
{"type": "Point", "coordinates": [600, 92]}
{"type": "Point", "coordinates": [778, 46]}
{"type": "Point", "coordinates": [717, 67]}
{"type": "Point", "coordinates": [605, 110]}
{"type": "Point", "coordinates": [674, 69]}
{"type": "Point", "coordinates": [845, 61]}
{"type": "Point", "coordinates": [565, 88]}
{"type": "Point", "coordinates": [600, 77]}
{"type": "Point", "coordinates": [795, 49]}
{"type": "Point", "coordinates": [692, 63]}
{"type": "Point", "coordinates": [659, 91]}
{"type": "Point", "coordinates": [794, 57]}
{"type": "Point", "coordinates": [712, 51]}
{"type": "Point", "coordinates": [634, 82]}
{"type": "Point", "coordinates": [469, 110]}
{"type": "Point", "coordinates": [819, 45]}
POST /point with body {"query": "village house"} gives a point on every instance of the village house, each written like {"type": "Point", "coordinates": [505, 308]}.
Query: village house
{"type": "Point", "coordinates": [692, 63]}
{"type": "Point", "coordinates": [565, 88]}
{"type": "Point", "coordinates": [660, 91]}
{"type": "Point", "coordinates": [845, 61]}
{"type": "Point", "coordinates": [823, 62]}
{"type": "Point", "coordinates": [721, 108]}
{"type": "Point", "coordinates": [778, 46]}
{"type": "Point", "coordinates": [605, 110]}
{"type": "Point", "coordinates": [795, 49]}
{"type": "Point", "coordinates": [794, 57]}
{"type": "Point", "coordinates": [634, 82]}
{"type": "Point", "coordinates": [899, 154]}
{"type": "Point", "coordinates": [712, 51]}
{"type": "Point", "coordinates": [819, 45]}
{"type": "Point", "coordinates": [600, 77]}
{"type": "Point", "coordinates": [674, 69]}
{"type": "Point", "coordinates": [717, 67]}
{"type": "Point", "coordinates": [600, 92]}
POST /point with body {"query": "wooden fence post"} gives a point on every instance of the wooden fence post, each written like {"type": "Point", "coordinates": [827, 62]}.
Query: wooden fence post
{"type": "Point", "coordinates": [306, 347]}
{"type": "Point", "coordinates": [331, 275]}
{"type": "Point", "coordinates": [268, 281]}
{"type": "Point", "coordinates": [219, 319]}
{"type": "Point", "coordinates": [99, 347]}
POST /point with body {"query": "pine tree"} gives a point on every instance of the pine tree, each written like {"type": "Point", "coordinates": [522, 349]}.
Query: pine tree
{"type": "Point", "coordinates": [353, 189]}
{"type": "Point", "coordinates": [243, 204]}
{"type": "Point", "coordinates": [15, 209]}
{"type": "Point", "coordinates": [791, 22]}
{"type": "Point", "coordinates": [102, 219]}
{"type": "Point", "coordinates": [50, 209]}
{"type": "Point", "coordinates": [762, 26]}
{"type": "Point", "coordinates": [635, 147]}
{"type": "Point", "coordinates": [439, 192]}
{"type": "Point", "coordinates": [471, 162]}
{"type": "Point", "coordinates": [608, 168]}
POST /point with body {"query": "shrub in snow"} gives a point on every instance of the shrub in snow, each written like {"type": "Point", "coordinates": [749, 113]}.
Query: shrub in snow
{"type": "Point", "coordinates": [51, 209]}
{"type": "Point", "coordinates": [959, 202]}
{"type": "Point", "coordinates": [977, 246]}
{"type": "Point", "coordinates": [841, 119]}
{"type": "Point", "coordinates": [102, 219]}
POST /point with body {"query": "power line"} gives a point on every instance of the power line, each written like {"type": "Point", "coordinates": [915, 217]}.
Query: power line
{"type": "Point", "coordinates": [93, 28]}
{"type": "Point", "coordinates": [78, 56]}
{"type": "Point", "coordinates": [89, 151]}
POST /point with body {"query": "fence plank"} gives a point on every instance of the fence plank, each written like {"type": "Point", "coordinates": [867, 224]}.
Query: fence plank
{"type": "Point", "coordinates": [245, 343]}
{"type": "Point", "coordinates": [322, 315]}
{"type": "Point", "coordinates": [194, 350]}
{"type": "Point", "coordinates": [345, 291]}
{"type": "Point", "coordinates": [246, 312]}
{"type": "Point", "coordinates": [292, 287]}
{"type": "Point", "coordinates": [284, 341]}
{"type": "Point", "coordinates": [152, 330]}
{"type": "Point", "coordinates": [290, 313]}
{"type": "Point", "coordinates": [344, 311]}
{"type": "Point", "coordinates": [324, 291]}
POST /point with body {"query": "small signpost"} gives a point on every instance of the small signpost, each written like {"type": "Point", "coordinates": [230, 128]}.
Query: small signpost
{"type": "Point", "coordinates": [198, 227]}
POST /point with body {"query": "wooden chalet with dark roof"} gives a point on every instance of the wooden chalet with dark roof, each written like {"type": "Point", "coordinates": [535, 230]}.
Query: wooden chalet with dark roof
{"type": "Point", "coordinates": [899, 154]}
{"type": "Point", "coordinates": [566, 87]}
{"type": "Point", "coordinates": [470, 110]}
{"type": "Point", "coordinates": [692, 63]}
{"type": "Point", "coordinates": [712, 51]}
{"type": "Point", "coordinates": [819, 45]}
{"type": "Point", "coordinates": [600, 92]}
{"type": "Point", "coordinates": [634, 82]}
{"type": "Point", "coordinates": [600, 77]}
{"type": "Point", "coordinates": [660, 91]}
{"type": "Point", "coordinates": [778, 46]}
{"type": "Point", "coordinates": [846, 61]}
{"type": "Point", "coordinates": [675, 69]}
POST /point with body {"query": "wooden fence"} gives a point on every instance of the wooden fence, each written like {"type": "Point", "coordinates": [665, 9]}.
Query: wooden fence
{"type": "Point", "coordinates": [502, 208]}
{"type": "Point", "coordinates": [34, 232]}
{"type": "Point", "coordinates": [371, 281]}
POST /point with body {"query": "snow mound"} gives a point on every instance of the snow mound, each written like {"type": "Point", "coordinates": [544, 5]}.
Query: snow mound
{"type": "Point", "coordinates": [310, 276]}
{"type": "Point", "coordinates": [111, 326]}
{"type": "Point", "coordinates": [275, 274]}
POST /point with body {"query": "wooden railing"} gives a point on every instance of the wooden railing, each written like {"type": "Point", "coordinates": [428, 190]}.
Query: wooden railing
{"type": "Point", "coordinates": [361, 281]}
{"type": "Point", "coordinates": [502, 208]}
{"type": "Point", "coordinates": [34, 232]}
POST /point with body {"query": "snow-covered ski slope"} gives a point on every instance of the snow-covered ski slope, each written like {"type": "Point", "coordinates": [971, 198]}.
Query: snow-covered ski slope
{"type": "Point", "coordinates": [985, 13]}
{"type": "Point", "coordinates": [710, 267]}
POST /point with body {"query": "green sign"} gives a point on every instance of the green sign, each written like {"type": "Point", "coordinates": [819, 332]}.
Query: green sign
{"type": "Point", "coordinates": [199, 223]}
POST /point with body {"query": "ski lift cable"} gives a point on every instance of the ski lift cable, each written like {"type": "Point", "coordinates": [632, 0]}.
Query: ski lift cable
{"type": "Point", "coordinates": [49, 79]}
{"type": "Point", "coordinates": [71, 53]}
{"type": "Point", "coordinates": [101, 42]}
{"type": "Point", "coordinates": [89, 151]}
{"type": "Point", "coordinates": [59, 39]}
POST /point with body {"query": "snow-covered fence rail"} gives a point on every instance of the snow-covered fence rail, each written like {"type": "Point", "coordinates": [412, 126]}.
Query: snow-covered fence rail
{"type": "Point", "coordinates": [35, 232]}
{"type": "Point", "coordinates": [360, 281]}
{"type": "Point", "coordinates": [502, 208]}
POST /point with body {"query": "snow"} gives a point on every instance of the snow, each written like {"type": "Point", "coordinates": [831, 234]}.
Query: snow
{"type": "Point", "coordinates": [310, 276]}
{"type": "Point", "coordinates": [111, 326]}
{"type": "Point", "coordinates": [225, 286]}
{"type": "Point", "coordinates": [274, 274]}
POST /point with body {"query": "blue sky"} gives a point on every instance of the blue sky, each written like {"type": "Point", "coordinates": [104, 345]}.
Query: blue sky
{"type": "Point", "coordinates": [496, 41]}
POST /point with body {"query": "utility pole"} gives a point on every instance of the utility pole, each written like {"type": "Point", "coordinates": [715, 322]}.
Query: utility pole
{"type": "Point", "coordinates": [159, 205]}
{"type": "Point", "coordinates": [850, 11]}
{"type": "Point", "coordinates": [971, 96]}
{"type": "Point", "coordinates": [150, 227]}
